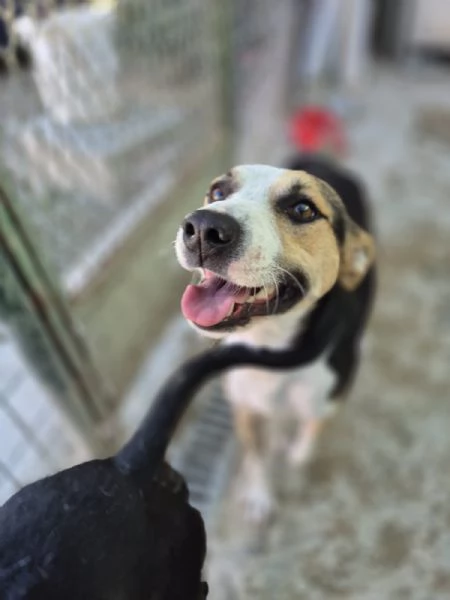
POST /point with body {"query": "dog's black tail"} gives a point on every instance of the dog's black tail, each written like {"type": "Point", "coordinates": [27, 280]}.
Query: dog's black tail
{"type": "Point", "coordinates": [146, 449]}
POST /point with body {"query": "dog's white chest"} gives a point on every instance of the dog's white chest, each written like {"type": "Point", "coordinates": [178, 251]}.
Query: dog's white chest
{"type": "Point", "coordinates": [306, 390]}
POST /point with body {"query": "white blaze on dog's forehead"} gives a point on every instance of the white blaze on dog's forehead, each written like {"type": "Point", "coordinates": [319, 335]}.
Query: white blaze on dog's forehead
{"type": "Point", "coordinates": [257, 180]}
{"type": "Point", "coordinates": [253, 186]}
{"type": "Point", "coordinates": [250, 205]}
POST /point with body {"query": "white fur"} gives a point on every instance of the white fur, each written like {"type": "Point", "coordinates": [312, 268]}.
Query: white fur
{"type": "Point", "coordinates": [306, 389]}
{"type": "Point", "coordinates": [254, 494]}
{"type": "Point", "coordinates": [308, 397]}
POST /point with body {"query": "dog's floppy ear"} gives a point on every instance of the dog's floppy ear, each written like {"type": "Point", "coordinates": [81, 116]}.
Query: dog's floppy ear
{"type": "Point", "coordinates": [357, 256]}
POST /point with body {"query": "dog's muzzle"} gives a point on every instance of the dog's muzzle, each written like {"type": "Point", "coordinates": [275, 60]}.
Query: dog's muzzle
{"type": "Point", "coordinates": [210, 238]}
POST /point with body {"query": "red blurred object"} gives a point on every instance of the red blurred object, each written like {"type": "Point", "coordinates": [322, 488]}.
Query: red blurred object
{"type": "Point", "coordinates": [315, 129]}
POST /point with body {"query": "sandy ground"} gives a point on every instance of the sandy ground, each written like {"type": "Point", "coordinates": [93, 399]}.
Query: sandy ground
{"type": "Point", "coordinates": [370, 517]}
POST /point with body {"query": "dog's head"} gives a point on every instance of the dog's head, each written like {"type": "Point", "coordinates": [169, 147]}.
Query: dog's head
{"type": "Point", "coordinates": [267, 241]}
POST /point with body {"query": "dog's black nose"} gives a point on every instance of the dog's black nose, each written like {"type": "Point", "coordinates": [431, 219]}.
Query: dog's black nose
{"type": "Point", "coordinates": [208, 233]}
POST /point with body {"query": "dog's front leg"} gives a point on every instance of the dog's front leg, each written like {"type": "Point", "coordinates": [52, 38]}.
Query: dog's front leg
{"type": "Point", "coordinates": [251, 393]}
{"type": "Point", "coordinates": [309, 398]}
{"type": "Point", "coordinates": [252, 429]}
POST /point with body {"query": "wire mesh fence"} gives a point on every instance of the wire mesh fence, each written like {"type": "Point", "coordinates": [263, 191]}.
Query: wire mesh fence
{"type": "Point", "coordinates": [13, 53]}
{"type": "Point", "coordinates": [36, 437]}
{"type": "Point", "coordinates": [109, 140]}
{"type": "Point", "coordinates": [125, 108]}
{"type": "Point", "coordinates": [116, 129]}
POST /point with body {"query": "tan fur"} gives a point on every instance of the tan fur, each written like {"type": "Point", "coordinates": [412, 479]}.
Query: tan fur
{"type": "Point", "coordinates": [250, 428]}
{"type": "Point", "coordinates": [358, 253]}
{"type": "Point", "coordinates": [313, 247]}
{"type": "Point", "coordinates": [303, 446]}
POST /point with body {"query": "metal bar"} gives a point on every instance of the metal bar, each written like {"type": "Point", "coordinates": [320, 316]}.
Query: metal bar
{"type": "Point", "coordinates": [26, 262]}
{"type": "Point", "coordinates": [82, 405]}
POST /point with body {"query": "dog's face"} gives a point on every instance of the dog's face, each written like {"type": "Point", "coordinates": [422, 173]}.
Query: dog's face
{"type": "Point", "coordinates": [267, 241]}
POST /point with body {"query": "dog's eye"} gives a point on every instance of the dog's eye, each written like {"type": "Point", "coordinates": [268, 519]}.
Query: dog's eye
{"type": "Point", "coordinates": [217, 194]}
{"type": "Point", "coordinates": [221, 189]}
{"type": "Point", "coordinates": [302, 212]}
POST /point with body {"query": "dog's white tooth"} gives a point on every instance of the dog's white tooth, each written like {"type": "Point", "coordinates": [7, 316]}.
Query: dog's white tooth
{"type": "Point", "coordinates": [198, 277]}
{"type": "Point", "coordinates": [230, 312]}
{"type": "Point", "coordinates": [264, 293]}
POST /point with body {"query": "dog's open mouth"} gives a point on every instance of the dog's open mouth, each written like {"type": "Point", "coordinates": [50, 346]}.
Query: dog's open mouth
{"type": "Point", "coordinates": [216, 303]}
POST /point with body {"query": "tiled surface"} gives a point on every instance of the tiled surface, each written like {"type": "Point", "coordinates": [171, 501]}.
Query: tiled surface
{"type": "Point", "coordinates": [35, 437]}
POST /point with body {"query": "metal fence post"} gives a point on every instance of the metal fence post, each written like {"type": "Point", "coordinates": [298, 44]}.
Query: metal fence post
{"type": "Point", "coordinates": [52, 325]}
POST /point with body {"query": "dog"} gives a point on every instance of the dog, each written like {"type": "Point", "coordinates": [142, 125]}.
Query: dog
{"type": "Point", "coordinates": [286, 259]}
{"type": "Point", "coordinates": [120, 528]}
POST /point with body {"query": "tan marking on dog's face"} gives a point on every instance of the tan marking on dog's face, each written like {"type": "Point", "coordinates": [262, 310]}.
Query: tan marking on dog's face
{"type": "Point", "coordinates": [309, 188]}
{"type": "Point", "coordinates": [311, 248]}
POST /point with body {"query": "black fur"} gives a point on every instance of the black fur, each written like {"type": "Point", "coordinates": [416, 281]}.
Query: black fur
{"type": "Point", "coordinates": [339, 318]}
{"type": "Point", "coordinates": [119, 528]}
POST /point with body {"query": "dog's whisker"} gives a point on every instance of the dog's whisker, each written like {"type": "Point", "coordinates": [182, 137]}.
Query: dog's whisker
{"type": "Point", "coordinates": [277, 295]}
{"type": "Point", "coordinates": [296, 281]}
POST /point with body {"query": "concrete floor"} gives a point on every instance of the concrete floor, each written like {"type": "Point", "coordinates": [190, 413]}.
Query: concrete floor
{"type": "Point", "coordinates": [370, 517]}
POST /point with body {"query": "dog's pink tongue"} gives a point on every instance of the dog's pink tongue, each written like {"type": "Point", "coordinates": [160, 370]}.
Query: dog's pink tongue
{"type": "Point", "coordinates": [208, 304]}
{"type": "Point", "coordinates": [205, 305]}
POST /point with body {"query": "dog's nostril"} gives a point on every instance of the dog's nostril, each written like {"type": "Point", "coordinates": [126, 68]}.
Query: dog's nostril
{"type": "Point", "coordinates": [206, 231]}
{"type": "Point", "coordinates": [189, 229]}
{"type": "Point", "coordinates": [216, 236]}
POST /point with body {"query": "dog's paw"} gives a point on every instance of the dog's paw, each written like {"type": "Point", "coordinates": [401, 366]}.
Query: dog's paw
{"type": "Point", "coordinates": [256, 503]}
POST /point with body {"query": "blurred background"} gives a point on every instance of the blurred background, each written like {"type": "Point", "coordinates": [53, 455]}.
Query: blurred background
{"type": "Point", "coordinates": [114, 117]}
